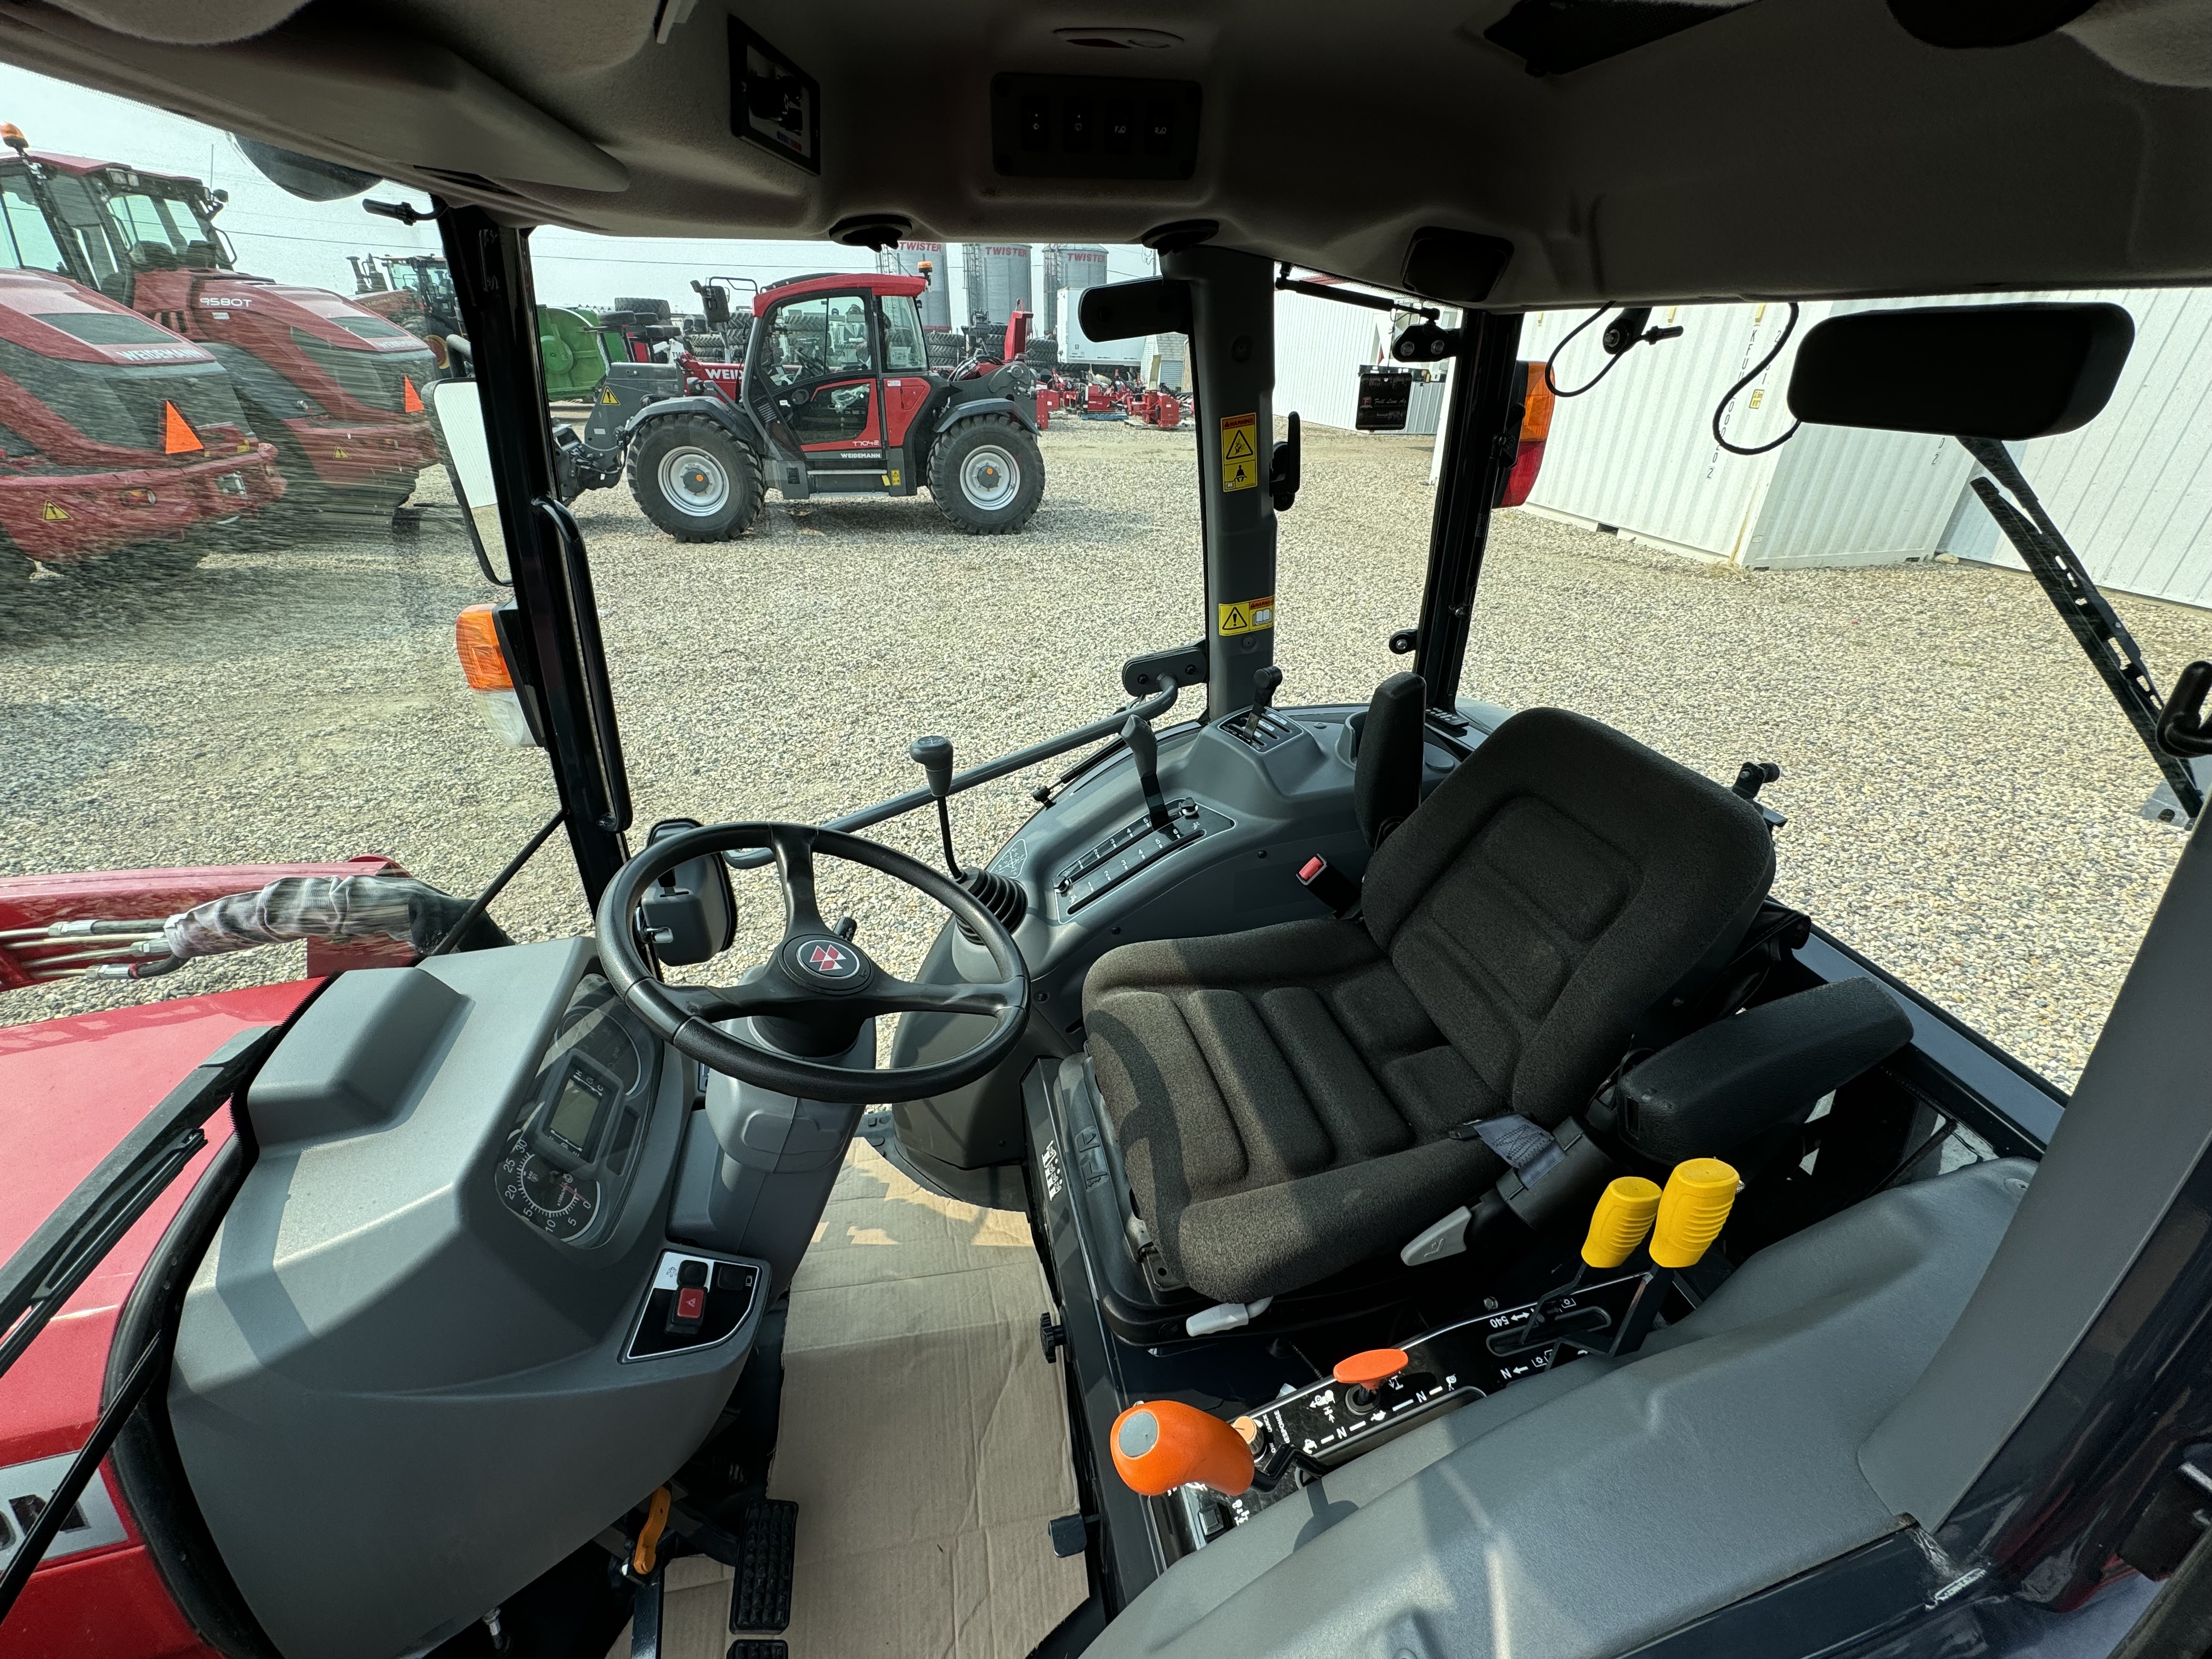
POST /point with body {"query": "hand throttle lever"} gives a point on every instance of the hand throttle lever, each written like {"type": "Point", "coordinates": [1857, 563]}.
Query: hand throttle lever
{"type": "Point", "coordinates": [1145, 749]}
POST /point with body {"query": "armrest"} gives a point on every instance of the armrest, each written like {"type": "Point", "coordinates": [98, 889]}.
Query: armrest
{"type": "Point", "coordinates": [1718, 1087]}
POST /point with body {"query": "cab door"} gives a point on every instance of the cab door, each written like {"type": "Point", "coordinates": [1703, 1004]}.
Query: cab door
{"type": "Point", "coordinates": [820, 390]}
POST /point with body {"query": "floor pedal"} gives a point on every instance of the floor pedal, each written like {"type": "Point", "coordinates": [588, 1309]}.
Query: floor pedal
{"type": "Point", "coordinates": [760, 1647]}
{"type": "Point", "coordinates": [760, 1595]}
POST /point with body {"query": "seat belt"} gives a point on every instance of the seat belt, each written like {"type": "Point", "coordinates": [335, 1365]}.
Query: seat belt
{"type": "Point", "coordinates": [1330, 885]}
{"type": "Point", "coordinates": [1533, 1150]}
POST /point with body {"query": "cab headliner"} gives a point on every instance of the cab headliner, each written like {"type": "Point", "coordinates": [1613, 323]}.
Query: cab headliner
{"type": "Point", "coordinates": [1784, 147]}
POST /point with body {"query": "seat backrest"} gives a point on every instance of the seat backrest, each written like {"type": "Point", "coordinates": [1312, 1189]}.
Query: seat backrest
{"type": "Point", "coordinates": [1386, 784]}
{"type": "Point", "coordinates": [1553, 890]}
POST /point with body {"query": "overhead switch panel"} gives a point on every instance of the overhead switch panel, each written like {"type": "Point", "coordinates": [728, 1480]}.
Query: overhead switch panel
{"type": "Point", "coordinates": [1093, 126]}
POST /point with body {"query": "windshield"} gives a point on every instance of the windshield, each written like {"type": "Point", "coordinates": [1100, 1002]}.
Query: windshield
{"type": "Point", "coordinates": [1965, 803]}
{"type": "Point", "coordinates": [30, 243]}
{"type": "Point", "coordinates": [165, 229]}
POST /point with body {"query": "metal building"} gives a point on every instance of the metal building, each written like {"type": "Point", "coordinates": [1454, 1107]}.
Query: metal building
{"type": "Point", "coordinates": [2132, 489]}
{"type": "Point", "coordinates": [995, 281]}
{"type": "Point", "coordinates": [1069, 271]}
{"type": "Point", "coordinates": [908, 258]}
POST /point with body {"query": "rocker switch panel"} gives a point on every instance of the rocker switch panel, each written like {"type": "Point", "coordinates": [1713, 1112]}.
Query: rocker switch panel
{"type": "Point", "coordinates": [694, 1302]}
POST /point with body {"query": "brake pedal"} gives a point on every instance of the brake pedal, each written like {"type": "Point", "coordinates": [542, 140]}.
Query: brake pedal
{"type": "Point", "coordinates": [760, 1593]}
{"type": "Point", "coordinates": [760, 1647]}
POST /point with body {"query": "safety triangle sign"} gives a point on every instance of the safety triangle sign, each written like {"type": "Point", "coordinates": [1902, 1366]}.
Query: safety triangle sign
{"type": "Point", "coordinates": [1240, 452]}
{"type": "Point", "coordinates": [178, 437]}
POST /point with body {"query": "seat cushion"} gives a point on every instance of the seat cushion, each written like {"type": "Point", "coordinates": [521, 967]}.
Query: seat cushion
{"type": "Point", "coordinates": [1281, 1099]}
{"type": "Point", "coordinates": [1283, 1096]}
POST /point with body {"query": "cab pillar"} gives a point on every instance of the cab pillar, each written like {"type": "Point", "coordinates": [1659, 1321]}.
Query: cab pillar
{"type": "Point", "coordinates": [1232, 353]}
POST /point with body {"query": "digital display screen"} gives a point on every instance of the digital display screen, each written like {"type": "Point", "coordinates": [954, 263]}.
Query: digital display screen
{"type": "Point", "coordinates": [574, 1114]}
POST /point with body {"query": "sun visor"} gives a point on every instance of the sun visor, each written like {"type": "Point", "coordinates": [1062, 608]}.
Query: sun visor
{"type": "Point", "coordinates": [1129, 311]}
{"type": "Point", "coordinates": [2006, 372]}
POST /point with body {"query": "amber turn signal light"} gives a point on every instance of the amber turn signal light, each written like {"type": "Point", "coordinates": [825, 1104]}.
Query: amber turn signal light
{"type": "Point", "coordinates": [476, 638]}
{"type": "Point", "coordinates": [1161, 1445]}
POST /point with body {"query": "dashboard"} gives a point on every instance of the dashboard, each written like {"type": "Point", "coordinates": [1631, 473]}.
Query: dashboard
{"type": "Point", "coordinates": [572, 1145]}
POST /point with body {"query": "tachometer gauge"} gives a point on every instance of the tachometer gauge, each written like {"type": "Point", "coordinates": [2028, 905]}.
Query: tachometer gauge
{"type": "Point", "coordinates": [557, 1201]}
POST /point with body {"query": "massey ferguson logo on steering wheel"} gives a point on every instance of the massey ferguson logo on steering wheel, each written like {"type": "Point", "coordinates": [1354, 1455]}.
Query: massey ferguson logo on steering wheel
{"type": "Point", "coordinates": [829, 960]}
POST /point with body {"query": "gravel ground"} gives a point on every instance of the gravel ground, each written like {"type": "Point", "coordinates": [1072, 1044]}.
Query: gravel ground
{"type": "Point", "coordinates": [1962, 794]}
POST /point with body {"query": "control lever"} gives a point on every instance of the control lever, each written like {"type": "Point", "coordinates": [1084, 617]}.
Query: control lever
{"type": "Point", "coordinates": [1693, 1210]}
{"type": "Point", "coordinates": [1265, 684]}
{"type": "Point", "coordinates": [1146, 750]}
{"type": "Point", "coordinates": [1002, 896]}
{"type": "Point", "coordinates": [935, 755]}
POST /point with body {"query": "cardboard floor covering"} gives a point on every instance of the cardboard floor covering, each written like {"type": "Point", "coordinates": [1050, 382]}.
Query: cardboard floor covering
{"type": "Point", "coordinates": [924, 1438]}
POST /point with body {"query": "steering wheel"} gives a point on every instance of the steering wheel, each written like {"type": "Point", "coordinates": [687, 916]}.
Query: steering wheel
{"type": "Point", "coordinates": [811, 996]}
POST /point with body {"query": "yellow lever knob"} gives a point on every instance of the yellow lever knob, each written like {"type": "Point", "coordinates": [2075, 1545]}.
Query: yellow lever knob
{"type": "Point", "coordinates": [1622, 1216]}
{"type": "Point", "coordinates": [1693, 1211]}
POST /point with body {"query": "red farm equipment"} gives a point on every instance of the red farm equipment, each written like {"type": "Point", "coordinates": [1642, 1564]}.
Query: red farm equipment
{"type": "Point", "coordinates": [117, 437]}
{"type": "Point", "coordinates": [834, 396]}
{"type": "Point", "coordinates": [335, 388]}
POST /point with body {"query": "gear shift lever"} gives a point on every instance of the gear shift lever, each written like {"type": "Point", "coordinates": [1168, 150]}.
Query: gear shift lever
{"type": "Point", "coordinates": [935, 755]}
{"type": "Point", "coordinates": [1146, 750]}
{"type": "Point", "coordinates": [1002, 896]}
{"type": "Point", "coordinates": [1265, 682]}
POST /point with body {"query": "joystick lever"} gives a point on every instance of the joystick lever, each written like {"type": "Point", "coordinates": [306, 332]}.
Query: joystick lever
{"type": "Point", "coordinates": [1265, 684]}
{"type": "Point", "coordinates": [1002, 896]}
{"type": "Point", "coordinates": [935, 755]}
{"type": "Point", "coordinates": [1145, 749]}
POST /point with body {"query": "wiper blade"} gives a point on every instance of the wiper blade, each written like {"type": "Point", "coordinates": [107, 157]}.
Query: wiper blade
{"type": "Point", "coordinates": [70, 1243]}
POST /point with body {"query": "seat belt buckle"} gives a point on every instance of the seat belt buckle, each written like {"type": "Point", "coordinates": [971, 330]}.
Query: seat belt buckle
{"type": "Point", "coordinates": [1329, 884]}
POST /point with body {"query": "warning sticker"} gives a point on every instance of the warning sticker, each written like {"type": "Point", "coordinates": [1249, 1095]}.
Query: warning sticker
{"type": "Point", "coordinates": [1240, 456]}
{"type": "Point", "coordinates": [54, 513]}
{"type": "Point", "coordinates": [1251, 616]}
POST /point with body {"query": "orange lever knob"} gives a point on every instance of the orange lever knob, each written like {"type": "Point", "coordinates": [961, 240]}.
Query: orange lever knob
{"type": "Point", "coordinates": [1372, 1369]}
{"type": "Point", "coordinates": [1161, 1445]}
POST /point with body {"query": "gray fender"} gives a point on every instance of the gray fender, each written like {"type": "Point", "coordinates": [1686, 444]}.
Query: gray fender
{"type": "Point", "coordinates": [733, 420]}
{"type": "Point", "coordinates": [957, 412]}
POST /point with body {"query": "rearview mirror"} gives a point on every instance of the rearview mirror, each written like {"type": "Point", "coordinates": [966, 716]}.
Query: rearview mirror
{"type": "Point", "coordinates": [458, 417]}
{"type": "Point", "coordinates": [2007, 372]}
{"type": "Point", "coordinates": [1128, 311]}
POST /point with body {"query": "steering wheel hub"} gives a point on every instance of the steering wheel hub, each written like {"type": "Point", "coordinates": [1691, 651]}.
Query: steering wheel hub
{"type": "Point", "coordinates": [832, 965]}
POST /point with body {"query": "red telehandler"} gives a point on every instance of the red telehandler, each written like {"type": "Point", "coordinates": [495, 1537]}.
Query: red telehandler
{"type": "Point", "coordinates": [337, 389]}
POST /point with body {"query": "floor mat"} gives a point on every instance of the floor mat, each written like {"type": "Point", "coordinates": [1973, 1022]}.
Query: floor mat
{"type": "Point", "coordinates": [925, 1440]}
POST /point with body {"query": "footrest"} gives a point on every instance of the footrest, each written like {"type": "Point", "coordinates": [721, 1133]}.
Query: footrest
{"type": "Point", "coordinates": [760, 1595]}
{"type": "Point", "coordinates": [760, 1647]}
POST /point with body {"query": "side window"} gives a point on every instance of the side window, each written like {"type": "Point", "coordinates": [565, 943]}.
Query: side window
{"type": "Point", "coordinates": [904, 350]}
{"type": "Point", "coordinates": [31, 244]}
{"type": "Point", "coordinates": [819, 339]}
{"type": "Point", "coordinates": [849, 353]}
{"type": "Point", "coordinates": [798, 341]}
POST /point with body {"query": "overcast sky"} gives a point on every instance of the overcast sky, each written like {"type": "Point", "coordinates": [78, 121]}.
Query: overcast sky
{"type": "Point", "coordinates": [279, 235]}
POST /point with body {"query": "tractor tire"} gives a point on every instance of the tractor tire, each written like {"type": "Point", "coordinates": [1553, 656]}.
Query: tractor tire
{"type": "Point", "coordinates": [737, 334]}
{"type": "Point", "coordinates": [708, 348]}
{"type": "Point", "coordinates": [656, 309]}
{"type": "Point", "coordinates": [694, 480]}
{"type": "Point", "coordinates": [987, 475]}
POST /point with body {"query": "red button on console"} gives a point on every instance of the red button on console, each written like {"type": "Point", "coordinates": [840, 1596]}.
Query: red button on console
{"type": "Point", "coordinates": [691, 1305]}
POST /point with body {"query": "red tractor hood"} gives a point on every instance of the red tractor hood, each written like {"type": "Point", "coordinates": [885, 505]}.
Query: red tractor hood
{"type": "Point", "coordinates": [313, 311]}
{"type": "Point", "coordinates": [53, 316]}
{"type": "Point", "coordinates": [69, 1089]}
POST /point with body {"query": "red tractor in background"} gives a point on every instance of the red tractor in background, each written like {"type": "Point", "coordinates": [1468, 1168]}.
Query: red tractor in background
{"type": "Point", "coordinates": [415, 290]}
{"type": "Point", "coordinates": [834, 397]}
{"type": "Point", "coordinates": [336, 389]}
{"type": "Point", "coordinates": [117, 437]}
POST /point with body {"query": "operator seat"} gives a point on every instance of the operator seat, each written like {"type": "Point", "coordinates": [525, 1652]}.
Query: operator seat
{"type": "Point", "coordinates": [1292, 1100]}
